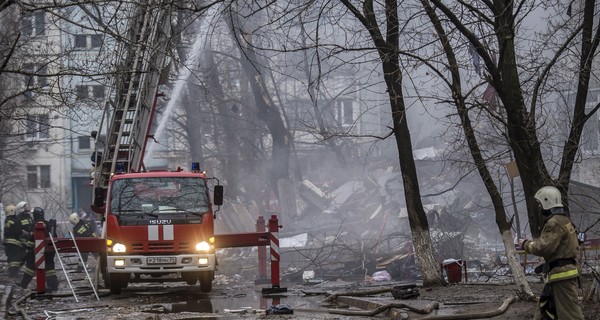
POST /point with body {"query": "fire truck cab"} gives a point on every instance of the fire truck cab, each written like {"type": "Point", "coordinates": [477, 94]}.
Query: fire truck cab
{"type": "Point", "coordinates": [159, 227]}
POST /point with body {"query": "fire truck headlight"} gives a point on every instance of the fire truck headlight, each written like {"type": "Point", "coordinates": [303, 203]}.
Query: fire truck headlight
{"type": "Point", "coordinates": [202, 246]}
{"type": "Point", "coordinates": [119, 262]}
{"type": "Point", "coordinates": [203, 261]}
{"type": "Point", "coordinates": [118, 247]}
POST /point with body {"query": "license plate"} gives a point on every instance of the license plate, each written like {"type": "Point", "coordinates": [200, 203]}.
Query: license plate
{"type": "Point", "coordinates": [161, 260]}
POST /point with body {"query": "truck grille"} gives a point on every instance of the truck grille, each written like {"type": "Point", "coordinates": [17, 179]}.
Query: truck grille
{"type": "Point", "coordinates": [160, 246]}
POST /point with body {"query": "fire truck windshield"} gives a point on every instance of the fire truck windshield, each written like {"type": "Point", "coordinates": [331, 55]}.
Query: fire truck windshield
{"type": "Point", "coordinates": [159, 195]}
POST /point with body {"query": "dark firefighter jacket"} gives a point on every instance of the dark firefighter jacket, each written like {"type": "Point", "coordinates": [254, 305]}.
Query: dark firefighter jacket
{"type": "Point", "coordinates": [557, 241]}
{"type": "Point", "coordinates": [83, 229]}
{"type": "Point", "coordinates": [12, 231]}
{"type": "Point", "coordinates": [27, 228]}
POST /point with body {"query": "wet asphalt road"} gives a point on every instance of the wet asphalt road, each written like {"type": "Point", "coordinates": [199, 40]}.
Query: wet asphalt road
{"type": "Point", "coordinates": [228, 300]}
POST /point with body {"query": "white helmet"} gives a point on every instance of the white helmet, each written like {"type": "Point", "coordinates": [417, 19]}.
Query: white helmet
{"type": "Point", "coordinates": [10, 209]}
{"type": "Point", "coordinates": [74, 218]}
{"type": "Point", "coordinates": [549, 197]}
{"type": "Point", "coordinates": [22, 206]}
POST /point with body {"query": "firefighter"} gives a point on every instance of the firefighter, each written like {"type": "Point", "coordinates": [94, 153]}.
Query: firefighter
{"type": "Point", "coordinates": [15, 252]}
{"type": "Point", "coordinates": [558, 245]}
{"type": "Point", "coordinates": [29, 272]}
{"type": "Point", "coordinates": [82, 228]}
{"type": "Point", "coordinates": [26, 228]}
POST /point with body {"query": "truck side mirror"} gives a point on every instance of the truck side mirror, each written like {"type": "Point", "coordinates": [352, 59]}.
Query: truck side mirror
{"type": "Point", "coordinates": [218, 195]}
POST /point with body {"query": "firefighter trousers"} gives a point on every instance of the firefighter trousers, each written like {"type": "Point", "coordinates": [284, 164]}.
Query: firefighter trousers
{"type": "Point", "coordinates": [30, 271]}
{"type": "Point", "coordinates": [565, 294]}
{"type": "Point", "coordinates": [14, 256]}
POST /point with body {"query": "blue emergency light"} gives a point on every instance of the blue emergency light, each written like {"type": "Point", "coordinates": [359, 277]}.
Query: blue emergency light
{"type": "Point", "coordinates": [195, 166]}
{"type": "Point", "coordinates": [120, 167]}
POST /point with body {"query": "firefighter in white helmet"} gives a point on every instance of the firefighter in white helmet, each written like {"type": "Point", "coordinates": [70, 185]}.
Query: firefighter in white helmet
{"type": "Point", "coordinates": [558, 245]}
{"type": "Point", "coordinates": [26, 227]}
{"type": "Point", "coordinates": [82, 228]}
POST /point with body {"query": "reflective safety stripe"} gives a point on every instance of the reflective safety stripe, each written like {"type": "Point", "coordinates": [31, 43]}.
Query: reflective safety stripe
{"type": "Point", "coordinates": [549, 315]}
{"type": "Point", "coordinates": [82, 230]}
{"type": "Point", "coordinates": [152, 232]}
{"type": "Point", "coordinates": [562, 275]}
{"type": "Point", "coordinates": [168, 232]}
{"type": "Point", "coordinates": [29, 271]}
{"type": "Point", "coordinates": [13, 241]}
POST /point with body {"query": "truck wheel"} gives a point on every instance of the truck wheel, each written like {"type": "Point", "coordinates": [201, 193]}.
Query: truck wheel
{"type": "Point", "coordinates": [115, 283]}
{"type": "Point", "coordinates": [206, 279]}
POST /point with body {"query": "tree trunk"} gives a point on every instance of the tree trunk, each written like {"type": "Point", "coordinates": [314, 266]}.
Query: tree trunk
{"type": "Point", "coordinates": [463, 111]}
{"type": "Point", "coordinates": [388, 49]}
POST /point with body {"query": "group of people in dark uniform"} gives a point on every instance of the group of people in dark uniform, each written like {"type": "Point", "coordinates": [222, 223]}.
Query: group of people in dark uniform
{"type": "Point", "coordinates": [19, 242]}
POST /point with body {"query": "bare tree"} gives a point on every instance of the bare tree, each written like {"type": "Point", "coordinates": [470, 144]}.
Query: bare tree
{"type": "Point", "coordinates": [496, 28]}
{"type": "Point", "coordinates": [463, 111]}
{"type": "Point", "coordinates": [388, 46]}
{"type": "Point", "coordinates": [254, 67]}
{"type": "Point", "coordinates": [488, 28]}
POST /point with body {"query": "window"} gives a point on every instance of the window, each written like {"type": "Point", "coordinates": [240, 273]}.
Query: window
{"type": "Point", "coordinates": [98, 91]}
{"type": "Point", "coordinates": [37, 127]}
{"type": "Point", "coordinates": [174, 196]}
{"type": "Point", "coordinates": [84, 142]}
{"type": "Point", "coordinates": [32, 23]}
{"type": "Point", "coordinates": [87, 91]}
{"type": "Point", "coordinates": [80, 41]}
{"type": "Point", "coordinates": [87, 41]}
{"type": "Point", "coordinates": [96, 41]}
{"type": "Point", "coordinates": [36, 76]}
{"type": "Point", "coordinates": [345, 112]}
{"type": "Point", "coordinates": [38, 177]}
{"type": "Point", "coordinates": [81, 92]}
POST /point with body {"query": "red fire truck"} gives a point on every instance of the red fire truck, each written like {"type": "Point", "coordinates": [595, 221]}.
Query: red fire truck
{"type": "Point", "coordinates": [158, 225]}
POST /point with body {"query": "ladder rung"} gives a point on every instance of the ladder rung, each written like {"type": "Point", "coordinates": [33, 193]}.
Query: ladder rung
{"type": "Point", "coordinates": [66, 266]}
{"type": "Point", "coordinates": [67, 255]}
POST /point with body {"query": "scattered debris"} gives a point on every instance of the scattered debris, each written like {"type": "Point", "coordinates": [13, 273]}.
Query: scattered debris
{"type": "Point", "coordinates": [50, 314]}
{"type": "Point", "coordinates": [359, 293]}
{"type": "Point", "coordinates": [407, 291]}
{"type": "Point", "coordinates": [308, 275]}
{"type": "Point", "coordinates": [280, 309]}
{"type": "Point", "coordinates": [381, 276]}
{"type": "Point", "coordinates": [15, 304]}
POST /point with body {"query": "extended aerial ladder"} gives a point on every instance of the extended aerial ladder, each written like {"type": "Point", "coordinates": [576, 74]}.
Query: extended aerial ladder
{"type": "Point", "coordinates": [125, 127]}
{"type": "Point", "coordinates": [131, 106]}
